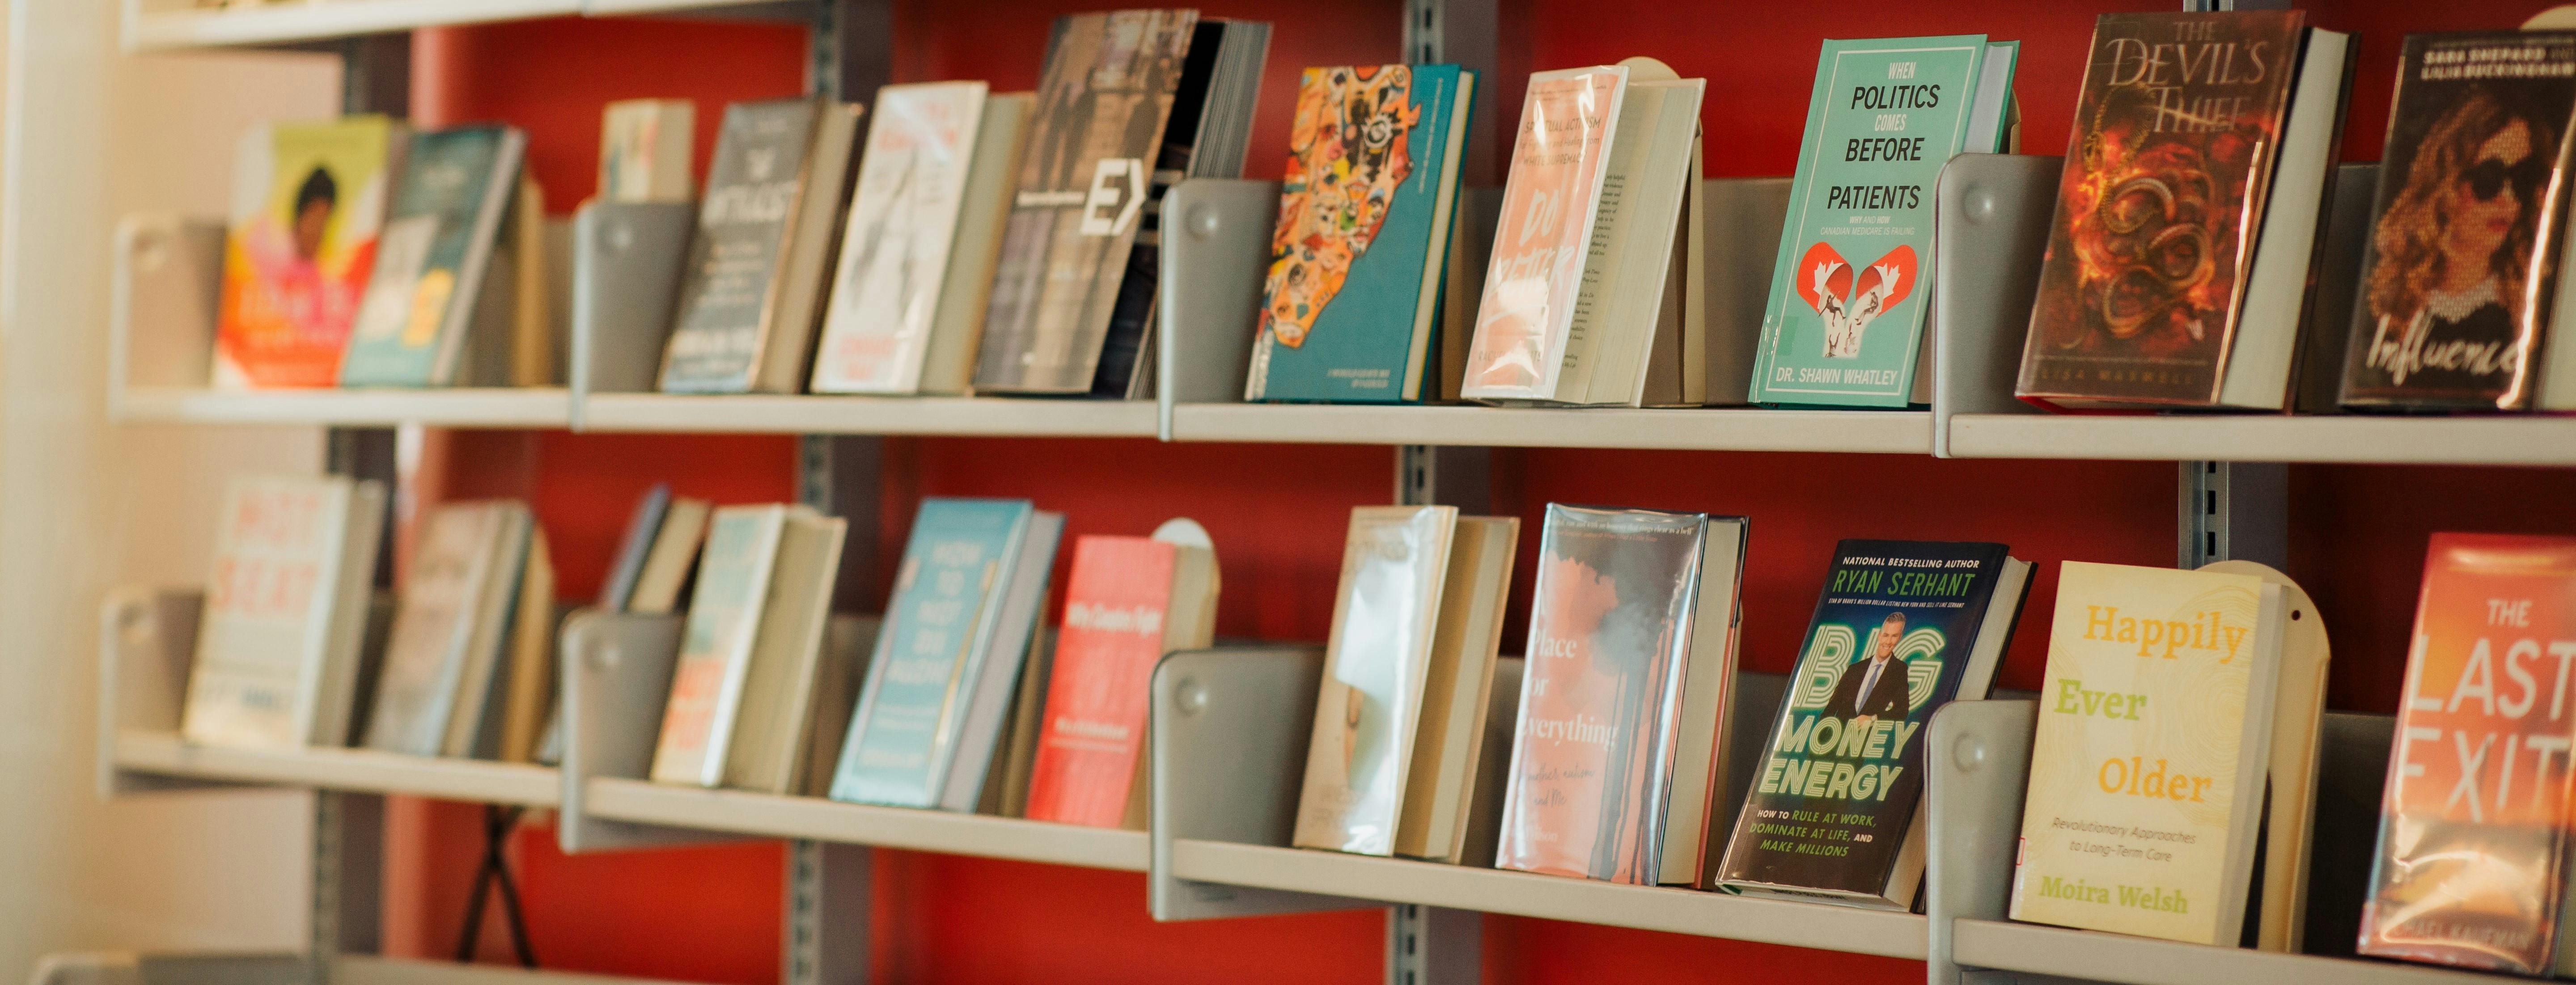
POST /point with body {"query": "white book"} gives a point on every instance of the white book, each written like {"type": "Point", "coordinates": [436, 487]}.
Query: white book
{"type": "Point", "coordinates": [286, 606]}
{"type": "Point", "coordinates": [2263, 355]}
{"type": "Point", "coordinates": [456, 569]}
{"type": "Point", "coordinates": [1395, 562]}
{"type": "Point", "coordinates": [716, 643]}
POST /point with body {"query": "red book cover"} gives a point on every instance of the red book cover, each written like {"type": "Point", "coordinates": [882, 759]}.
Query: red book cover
{"type": "Point", "coordinates": [1094, 728]}
{"type": "Point", "coordinates": [2473, 828]}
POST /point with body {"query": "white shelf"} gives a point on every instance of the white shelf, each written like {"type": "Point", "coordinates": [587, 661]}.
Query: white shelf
{"type": "Point", "coordinates": [618, 8]}
{"type": "Point", "coordinates": [300, 21]}
{"type": "Point", "coordinates": [1677, 911]}
{"type": "Point", "coordinates": [764, 414]}
{"type": "Point", "coordinates": [441, 407]}
{"type": "Point", "coordinates": [817, 819]}
{"type": "Point", "coordinates": [1724, 429]}
{"type": "Point", "coordinates": [2095, 956]}
{"type": "Point", "coordinates": [2492, 440]}
{"type": "Point", "coordinates": [358, 770]}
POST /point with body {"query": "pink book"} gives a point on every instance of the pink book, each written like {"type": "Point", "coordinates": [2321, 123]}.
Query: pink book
{"type": "Point", "coordinates": [1527, 316]}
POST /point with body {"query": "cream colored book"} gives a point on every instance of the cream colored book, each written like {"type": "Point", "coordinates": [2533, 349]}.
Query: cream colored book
{"type": "Point", "coordinates": [2147, 771]}
{"type": "Point", "coordinates": [276, 659]}
{"type": "Point", "coordinates": [464, 563]}
{"type": "Point", "coordinates": [1457, 689]}
{"type": "Point", "coordinates": [644, 147]}
{"type": "Point", "coordinates": [531, 694]}
{"type": "Point", "coordinates": [716, 644]}
{"type": "Point", "coordinates": [666, 565]}
{"type": "Point", "coordinates": [769, 742]}
{"type": "Point", "coordinates": [1395, 562]}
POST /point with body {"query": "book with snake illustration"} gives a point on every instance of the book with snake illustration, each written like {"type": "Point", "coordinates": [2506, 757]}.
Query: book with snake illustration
{"type": "Point", "coordinates": [1844, 326]}
{"type": "Point", "coordinates": [1353, 296]}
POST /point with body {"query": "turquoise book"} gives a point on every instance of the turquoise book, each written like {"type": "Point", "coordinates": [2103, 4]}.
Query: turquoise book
{"type": "Point", "coordinates": [1350, 307]}
{"type": "Point", "coordinates": [946, 603]}
{"type": "Point", "coordinates": [1844, 325]}
{"type": "Point", "coordinates": [437, 241]}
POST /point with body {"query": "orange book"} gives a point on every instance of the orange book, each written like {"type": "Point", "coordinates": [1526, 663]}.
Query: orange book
{"type": "Point", "coordinates": [1129, 601]}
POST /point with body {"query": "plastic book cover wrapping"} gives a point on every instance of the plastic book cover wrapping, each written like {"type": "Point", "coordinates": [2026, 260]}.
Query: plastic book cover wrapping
{"type": "Point", "coordinates": [2469, 223]}
{"type": "Point", "coordinates": [1093, 729]}
{"type": "Point", "coordinates": [1085, 175]}
{"type": "Point", "coordinates": [2176, 135]}
{"type": "Point", "coordinates": [439, 235]}
{"type": "Point", "coordinates": [1837, 790]}
{"type": "Point", "coordinates": [1394, 565]}
{"type": "Point", "coordinates": [894, 251]}
{"type": "Point", "coordinates": [729, 286]}
{"type": "Point", "coordinates": [1525, 319]}
{"type": "Point", "coordinates": [308, 203]}
{"type": "Point", "coordinates": [1610, 622]}
{"type": "Point", "coordinates": [716, 640]}
{"type": "Point", "coordinates": [2473, 830]}
{"type": "Point", "coordinates": [266, 630]}
{"type": "Point", "coordinates": [1371, 167]}
{"type": "Point", "coordinates": [1886, 115]}
{"type": "Point", "coordinates": [956, 566]}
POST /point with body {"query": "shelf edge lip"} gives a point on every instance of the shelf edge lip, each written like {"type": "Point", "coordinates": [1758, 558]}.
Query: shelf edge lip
{"type": "Point", "coordinates": [189, 30]}
{"type": "Point", "coordinates": [1202, 861]}
{"type": "Point", "coordinates": [819, 819]}
{"type": "Point", "coordinates": [478, 408]}
{"type": "Point", "coordinates": [2006, 945]}
{"type": "Point", "coordinates": [1891, 432]}
{"type": "Point", "coordinates": [965, 417]}
{"type": "Point", "coordinates": [2359, 439]}
{"type": "Point", "coordinates": [351, 770]}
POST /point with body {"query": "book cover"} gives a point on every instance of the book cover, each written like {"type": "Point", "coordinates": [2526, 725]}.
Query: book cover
{"type": "Point", "coordinates": [2473, 827]}
{"type": "Point", "coordinates": [438, 239]}
{"type": "Point", "coordinates": [956, 565]}
{"type": "Point", "coordinates": [1885, 116]}
{"type": "Point", "coordinates": [1610, 619]}
{"type": "Point", "coordinates": [270, 603]}
{"type": "Point", "coordinates": [2140, 773]}
{"type": "Point", "coordinates": [1363, 233]}
{"type": "Point", "coordinates": [2175, 140]}
{"type": "Point", "coordinates": [2468, 225]}
{"type": "Point", "coordinates": [1395, 562]}
{"type": "Point", "coordinates": [1085, 176]}
{"type": "Point", "coordinates": [644, 147]}
{"type": "Point", "coordinates": [1093, 728]}
{"type": "Point", "coordinates": [894, 252]}
{"type": "Point", "coordinates": [716, 639]}
{"type": "Point", "coordinates": [453, 565]}
{"type": "Point", "coordinates": [308, 202]}
{"type": "Point", "coordinates": [1527, 313]}
{"type": "Point", "coordinates": [729, 287]}
{"type": "Point", "coordinates": [1835, 795]}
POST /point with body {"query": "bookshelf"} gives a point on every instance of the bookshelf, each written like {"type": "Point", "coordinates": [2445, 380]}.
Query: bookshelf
{"type": "Point", "coordinates": [988, 416]}
{"type": "Point", "coordinates": [174, 25]}
{"type": "Point", "coordinates": [166, 755]}
{"type": "Point", "coordinates": [816, 819]}
{"type": "Point", "coordinates": [463, 407]}
{"type": "Point", "coordinates": [2088, 956]}
{"type": "Point", "coordinates": [2494, 440]}
{"type": "Point", "coordinates": [1729, 429]}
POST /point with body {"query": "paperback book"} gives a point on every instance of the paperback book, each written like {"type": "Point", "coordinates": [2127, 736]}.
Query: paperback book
{"type": "Point", "coordinates": [449, 629]}
{"type": "Point", "coordinates": [277, 661]}
{"type": "Point", "coordinates": [716, 641]}
{"type": "Point", "coordinates": [308, 203]}
{"type": "Point", "coordinates": [749, 289]}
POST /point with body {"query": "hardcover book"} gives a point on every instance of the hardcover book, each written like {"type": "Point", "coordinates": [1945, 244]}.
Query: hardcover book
{"type": "Point", "coordinates": [449, 625]}
{"type": "Point", "coordinates": [895, 251]}
{"type": "Point", "coordinates": [1395, 561]}
{"type": "Point", "coordinates": [2147, 772]}
{"type": "Point", "coordinates": [2473, 829]}
{"type": "Point", "coordinates": [1902, 628]}
{"type": "Point", "coordinates": [1356, 263]}
{"type": "Point", "coordinates": [1886, 115]}
{"type": "Point", "coordinates": [757, 265]}
{"type": "Point", "coordinates": [716, 644]}
{"type": "Point", "coordinates": [2177, 136]}
{"type": "Point", "coordinates": [2469, 229]}
{"type": "Point", "coordinates": [644, 148]}
{"type": "Point", "coordinates": [1568, 119]}
{"type": "Point", "coordinates": [277, 647]}
{"type": "Point", "coordinates": [430, 263]}
{"type": "Point", "coordinates": [1128, 601]}
{"type": "Point", "coordinates": [308, 202]}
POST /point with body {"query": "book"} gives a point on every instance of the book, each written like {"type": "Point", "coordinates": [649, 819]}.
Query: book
{"type": "Point", "coordinates": [530, 687]}
{"type": "Point", "coordinates": [2163, 212]}
{"type": "Point", "coordinates": [751, 288]}
{"type": "Point", "coordinates": [1449, 745]}
{"type": "Point", "coordinates": [2467, 235]}
{"type": "Point", "coordinates": [2147, 771]}
{"type": "Point", "coordinates": [1886, 115]}
{"type": "Point", "coordinates": [278, 643]}
{"type": "Point", "coordinates": [448, 627]}
{"type": "Point", "coordinates": [716, 641]}
{"type": "Point", "coordinates": [2473, 829]}
{"type": "Point", "coordinates": [644, 148]}
{"type": "Point", "coordinates": [1395, 560]}
{"type": "Point", "coordinates": [674, 554]}
{"type": "Point", "coordinates": [1901, 628]}
{"type": "Point", "coordinates": [439, 237]}
{"type": "Point", "coordinates": [923, 236]}
{"type": "Point", "coordinates": [643, 529]}
{"type": "Point", "coordinates": [1625, 610]}
{"type": "Point", "coordinates": [944, 614]}
{"type": "Point", "coordinates": [308, 205]}
{"type": "Point", "coordinates": [1128, 601]}
{"type": "Point", "coordinates": [976, 764]}
{"type": "Point", "coordinates": [1595, 290]}
{"type": "Point", "coordinates": [1350, 306]}
{"type": "Point", "coordinates": [771, 732]}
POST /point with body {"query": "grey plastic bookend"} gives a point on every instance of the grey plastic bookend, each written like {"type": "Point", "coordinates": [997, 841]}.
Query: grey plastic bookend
{"type": "Point", "coordinates": [616, 676]}
{"type": "Point", "coordinates": [1228, 738]}
{"type": "Point", "coordinates": [147, 640]}
{"type": "Point", "coordinates": [1216, 250]}
{"type": "Point", "coordinates": [1990, 219]}
{"type": "Point", "coordinates": [169, 276]}
{"type": "Point", "coordinates": [1978, 758]}
{"type": "Point", "coordinates": [625, 277]}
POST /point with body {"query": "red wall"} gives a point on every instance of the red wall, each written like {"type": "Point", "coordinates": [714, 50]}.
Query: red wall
{"type": "Point", "coordinates": [711, 914]}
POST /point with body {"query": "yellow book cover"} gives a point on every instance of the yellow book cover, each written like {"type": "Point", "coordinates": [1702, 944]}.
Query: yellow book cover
{"type": "Point", "coordinates": [2146, 773]}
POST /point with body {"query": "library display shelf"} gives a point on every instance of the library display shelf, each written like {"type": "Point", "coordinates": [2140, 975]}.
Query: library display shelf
{"type": "Point", "coordinates": [2487, 440]}
{"type": "Point", "coordinates": [817, 819]}
{"type": "Point", "coordinates": [2002, 945]}
{"type": "Point", "coordinates": [1678, 911]}
{"type": "Point", "coordinates": [456, 407]}
{"type": "Point", "coordinates": [994, 416]}
{"type": "Point", "coordinates": [164, 754]}
{"type": "Point", "coordinates": [1719, 429]}
{"type": "Point", "coordinates": [168, 28]}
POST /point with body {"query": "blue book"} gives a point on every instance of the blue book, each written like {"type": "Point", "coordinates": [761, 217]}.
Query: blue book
{"type": "Point", "coordinates": [1352, 301]}
{"type": "Point", "coordinates": [946, 606]}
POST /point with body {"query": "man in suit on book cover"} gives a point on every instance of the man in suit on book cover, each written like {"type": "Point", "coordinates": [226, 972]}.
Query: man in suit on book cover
{"type": "Point", "coordinates": [1875, 687]}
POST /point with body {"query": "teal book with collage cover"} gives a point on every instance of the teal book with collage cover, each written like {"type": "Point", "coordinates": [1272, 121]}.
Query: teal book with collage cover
{"type": "Point", "coordinates": [437, 241]}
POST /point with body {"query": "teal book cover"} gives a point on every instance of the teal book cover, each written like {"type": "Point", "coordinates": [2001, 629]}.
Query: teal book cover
{"type": "Point", "coordinates": [1844, 325]}
{"type": "Point", "coordinates": [1362, 242]}
{"type": "Point", "coordinates": [438, 237]}
{"type": "Point", "coordinates": [955, 567]}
